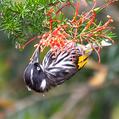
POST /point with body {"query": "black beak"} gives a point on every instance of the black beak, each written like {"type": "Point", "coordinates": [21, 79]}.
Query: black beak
{"type": "Point", "coordinates": [35, 58]}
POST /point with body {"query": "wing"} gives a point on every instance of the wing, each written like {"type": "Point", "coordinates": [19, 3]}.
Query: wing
{"type": "Point", "coordinates": [61, 66]}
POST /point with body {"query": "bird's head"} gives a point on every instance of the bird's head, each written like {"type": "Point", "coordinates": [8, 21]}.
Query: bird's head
{"type": "Point", "coordinates": [34, 75]}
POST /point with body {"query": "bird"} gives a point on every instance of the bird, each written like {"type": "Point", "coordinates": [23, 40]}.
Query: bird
{"type": "Point", "coordinates": [57, 67]}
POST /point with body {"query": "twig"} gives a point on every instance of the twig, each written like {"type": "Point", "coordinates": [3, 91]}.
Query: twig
{"type": "Point", "coordinates": [77, 95]}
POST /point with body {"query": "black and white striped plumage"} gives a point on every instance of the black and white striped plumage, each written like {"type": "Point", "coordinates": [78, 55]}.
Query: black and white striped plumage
{"type": "Point", "coordinates": [55, 68]}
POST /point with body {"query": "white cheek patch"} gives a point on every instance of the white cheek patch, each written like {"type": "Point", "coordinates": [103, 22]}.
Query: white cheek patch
{"type": "Point", "coordinates": [31, 76]}
{"type": "Point", "coordinates": [43, 84]}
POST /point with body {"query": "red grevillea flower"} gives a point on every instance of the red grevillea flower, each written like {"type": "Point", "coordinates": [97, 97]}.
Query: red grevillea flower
{"type": "Point", "coordinates": [55, 39]}
{"type": "Point", "coordinates": [82, 29]}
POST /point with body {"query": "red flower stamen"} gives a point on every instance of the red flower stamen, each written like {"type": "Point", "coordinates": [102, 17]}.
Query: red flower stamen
{"type": "Point", "coordinates": [92, 18]}
{"type": "Point", "coordinates": [63, 6]}
{"type": "Point", "coordinates": [77, 5]}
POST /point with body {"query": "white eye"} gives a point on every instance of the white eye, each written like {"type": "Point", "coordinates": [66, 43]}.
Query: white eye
{"type": "Point", "coordinates": [38, 68]}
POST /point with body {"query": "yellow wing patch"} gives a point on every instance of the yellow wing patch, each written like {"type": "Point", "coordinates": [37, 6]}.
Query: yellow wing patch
{"type": "Point", "coordinates": [82, 60]}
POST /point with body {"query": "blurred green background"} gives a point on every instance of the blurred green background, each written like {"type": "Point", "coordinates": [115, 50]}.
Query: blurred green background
{"type": "Point", "coordinates": [84, 96]}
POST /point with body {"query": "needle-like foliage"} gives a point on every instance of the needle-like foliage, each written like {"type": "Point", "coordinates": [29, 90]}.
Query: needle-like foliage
{"type": "Point", "coordinates": [44, 19]}
{"type": "Point", "coordinates": [23, 20]}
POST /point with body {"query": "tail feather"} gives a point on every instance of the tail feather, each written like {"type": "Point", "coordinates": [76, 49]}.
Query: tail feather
{"type": "Point", "coordinates": [106, 42]}
{"type": "Point", "coordinates": [89, 47]}
{"type": "Point", "coordinates": [103, 43]}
